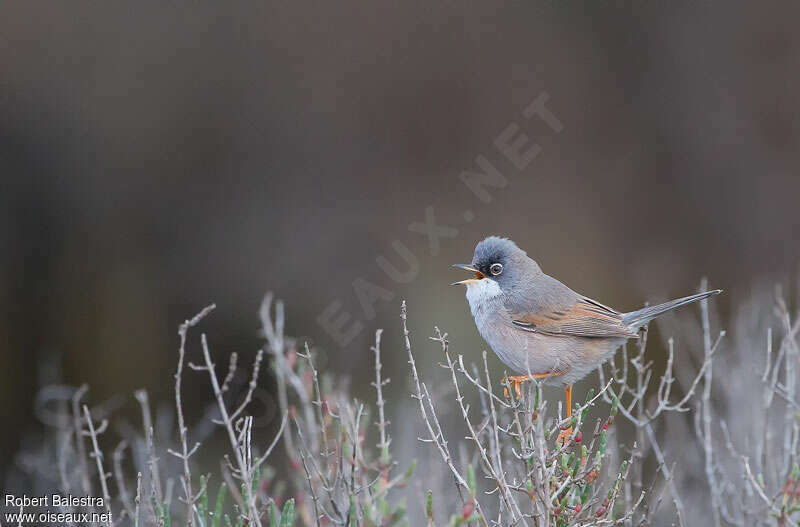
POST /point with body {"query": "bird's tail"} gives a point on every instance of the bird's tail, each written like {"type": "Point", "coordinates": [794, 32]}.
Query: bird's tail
{"type": "Point", "coordinates": [643, 316]}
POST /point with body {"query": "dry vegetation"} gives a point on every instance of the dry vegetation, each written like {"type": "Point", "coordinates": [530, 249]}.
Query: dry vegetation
{"type": "Point", "coordinates": [645, 448]}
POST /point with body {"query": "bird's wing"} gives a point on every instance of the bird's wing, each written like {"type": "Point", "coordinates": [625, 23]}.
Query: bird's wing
{"type": "Point", "coordinates": [584, 318]}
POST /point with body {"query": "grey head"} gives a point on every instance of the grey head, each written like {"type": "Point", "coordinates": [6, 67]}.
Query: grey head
{"type": "Point", "coordinates": [501, 261]}
{"type": "Point", "coordinates": [505, 276]}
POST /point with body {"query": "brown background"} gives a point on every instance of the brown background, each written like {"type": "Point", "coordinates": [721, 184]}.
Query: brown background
{"type": "Point", "coordinates": [155, 158]}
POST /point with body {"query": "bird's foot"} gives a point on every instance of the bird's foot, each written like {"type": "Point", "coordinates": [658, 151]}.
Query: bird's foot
{"type": "Point", "coordinates": [514, 381]}
{"type": "Point", "coordinates": [517, 380]}
{"type": "Point", "coordinates": [564, 436]}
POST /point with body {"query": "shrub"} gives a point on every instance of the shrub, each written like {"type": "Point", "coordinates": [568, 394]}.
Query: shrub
{"type": "Point", "coordinates": [641, 448]}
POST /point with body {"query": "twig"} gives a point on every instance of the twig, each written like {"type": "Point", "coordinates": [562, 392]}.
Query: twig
{"type": "Point", "coordinates": [120, 478]}
{"type": "Point", "coordinates": [497, 475]}
{"type": "Point", "coordinates": [147, 422]}
{"type": "Point", "coordinates": [251, 387]}
{"type": "Point", "coordinates": [98, 456]}
{"type": "Point", "coordinates": [182, 430]}
{"type": "Point", "coordinates": [436, 437]}
{"type": "Point", "coordinates": [138, 499]}
{"type": "Point", "coordinates": [383, 444]}
{"type": "Point", "coordinates": [245, 471]}
{"type": "Point", "coordinates": [83, 470]}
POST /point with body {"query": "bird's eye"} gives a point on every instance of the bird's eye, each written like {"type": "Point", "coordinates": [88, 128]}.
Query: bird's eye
{"type": "Point", "coordinates": [496, 268]}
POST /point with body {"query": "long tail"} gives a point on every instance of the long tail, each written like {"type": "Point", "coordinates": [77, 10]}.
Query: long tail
{"type": "Point", "coordinates": [643, 316]}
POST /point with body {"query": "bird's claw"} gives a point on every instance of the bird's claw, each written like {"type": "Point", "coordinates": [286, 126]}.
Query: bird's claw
{"type": "Point", "coordinates": [516, 382]}
{"type": "Point", "coordinates": [564, 436]}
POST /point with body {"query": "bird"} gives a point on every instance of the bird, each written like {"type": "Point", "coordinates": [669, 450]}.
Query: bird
{"type": "Point", "coordinates": [539, 327]}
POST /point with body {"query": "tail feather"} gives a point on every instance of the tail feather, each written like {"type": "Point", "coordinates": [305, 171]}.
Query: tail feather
{"type": "Point", "coordinates": [643, 316]}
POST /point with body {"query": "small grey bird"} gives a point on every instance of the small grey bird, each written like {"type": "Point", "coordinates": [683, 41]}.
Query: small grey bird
{"type": "Point", "coordinates": [538, 326]}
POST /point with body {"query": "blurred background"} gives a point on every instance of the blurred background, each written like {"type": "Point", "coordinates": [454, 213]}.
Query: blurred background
{"type": "Point", "coordinates": [156, 158]}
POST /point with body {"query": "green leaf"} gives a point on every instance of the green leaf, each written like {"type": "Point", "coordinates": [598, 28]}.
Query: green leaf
{"type": "Point", "coordinates": [384, 510]}
{"type": "Point", "coordinates": [220, 503]}
{"type": "Point", "coordinates": [410, 472]}
{"type": "Point", "coordinates": [287, 516]}
{"type": "Point", "coordinates": [399, 515]}
{"type": "Point", "coordinates": [203, 505]}
{"type": "Point", "coordinates": [575, 465]}
{"type": "Point", "coordinates": [429, 505]}
{"type": "Point", "coordinates": [165, 516]}
{"type": "Point", "coordinates": [256, 481]}
{"type": "Point", "coordinates": [352, 513]}
{"type": "Point", "coordinates": [273, 515]}
{"type": "Point", "coordinates": [471, 479]}
{"type": "Point", "coordinates": [586, 493]}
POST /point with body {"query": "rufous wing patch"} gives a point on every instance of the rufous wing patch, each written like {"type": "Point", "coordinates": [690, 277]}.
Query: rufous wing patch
{"type": "Point", "coordinates": [583, 319]}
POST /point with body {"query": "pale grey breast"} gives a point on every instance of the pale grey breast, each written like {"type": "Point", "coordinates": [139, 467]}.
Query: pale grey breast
{"type": "Point", "coordinates": [531, 352]}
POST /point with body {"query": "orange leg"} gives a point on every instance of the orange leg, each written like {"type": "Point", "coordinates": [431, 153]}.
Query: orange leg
{"type": "Point", "coordinates": [568, 394]}
{"type": "Point", "coordinates": [565, 434]}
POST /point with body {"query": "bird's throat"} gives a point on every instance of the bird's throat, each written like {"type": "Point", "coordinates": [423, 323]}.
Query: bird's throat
{"type": "Point", "coordinates": [481, 292]}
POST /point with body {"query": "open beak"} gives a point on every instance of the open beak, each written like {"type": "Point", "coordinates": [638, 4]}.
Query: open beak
{"type": "Point", "coordinates": [478, 275]}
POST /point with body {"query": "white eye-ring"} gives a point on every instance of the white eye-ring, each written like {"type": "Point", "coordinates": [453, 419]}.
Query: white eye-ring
{"type": "Point", "coordinates": [496, 268]}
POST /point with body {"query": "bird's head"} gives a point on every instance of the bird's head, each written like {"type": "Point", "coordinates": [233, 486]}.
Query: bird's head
{"type": "Point", "coordinates": [499, 260]}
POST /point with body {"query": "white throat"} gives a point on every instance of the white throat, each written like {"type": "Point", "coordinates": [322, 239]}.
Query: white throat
{"type": "Point", "coordinates": [481, 292]}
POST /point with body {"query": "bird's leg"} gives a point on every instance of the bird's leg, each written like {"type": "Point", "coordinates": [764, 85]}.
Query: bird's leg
{"type": "Point", "coordinates": [565, 434]}
{"type": "Point", "coordinates": [568, 395]}
{"type": "Point", "coordinates": [517, 380]}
